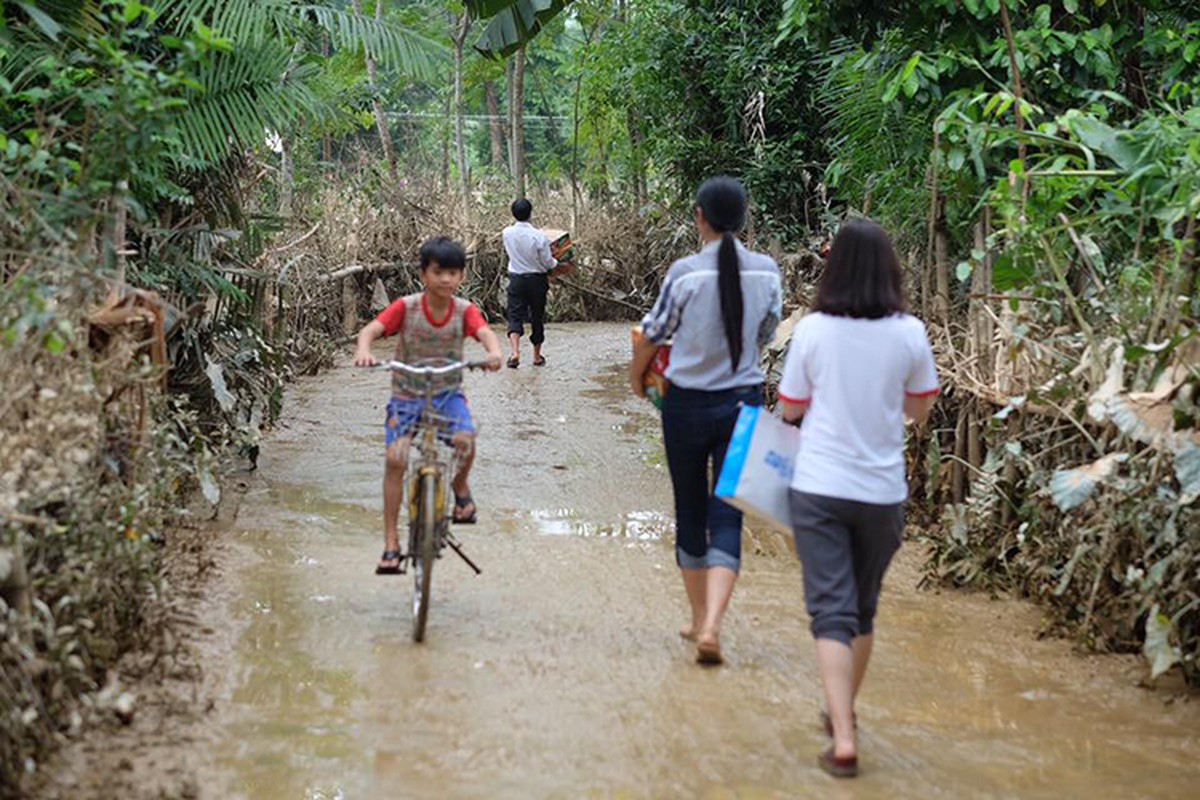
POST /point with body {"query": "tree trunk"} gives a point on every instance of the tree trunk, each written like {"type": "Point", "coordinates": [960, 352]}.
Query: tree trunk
{"type": "Point", "coordinates": [636, 137]}
{"type": "Point", "coordinates": [14, 579]}
{"type": "Point", "coordinates": [120, 227]}
{"type": "Point", "coordinates": [941, 265]}
{"type": "Point", "coordinates": [635, 131]}
{"type": "Point", "coordinates": [287, 176]}
{"type": "Point", "coordinates": [958, 471]}
{"type": "Point", "coordinates": [349, 305]}
{"type": "Point", "coordinates": [1192, 273]}
{"type": "Point", "coordinates": [381, 121]}
{"type": "Point", "coordinates": [508, 112]}
{"type": "Point", "coordinates": [327, 140]}
{"type": "Point", "coordinates": [495, 125]}
{"type": "Point", "coordinates": [575, 158]}
{"type": "Point", "coordinates": [462, 28]}
{"type": "Point", "coordinates": [445, 183]}
{"type": "Point", "coordinates": [979, 314]}
{"type": "Point", "coordinates": [518, 129]}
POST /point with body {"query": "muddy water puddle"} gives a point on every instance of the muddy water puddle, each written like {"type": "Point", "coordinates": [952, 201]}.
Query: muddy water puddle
{"type": "Point", "coordinates": [557, 673]}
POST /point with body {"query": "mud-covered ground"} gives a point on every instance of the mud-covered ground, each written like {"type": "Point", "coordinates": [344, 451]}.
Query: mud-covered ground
{"type": "Point", "coordinates": [558, 672]}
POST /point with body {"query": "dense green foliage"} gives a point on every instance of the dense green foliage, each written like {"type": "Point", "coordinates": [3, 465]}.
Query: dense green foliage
{"type": "Point", "coordinates": [125, 162]}
{"type": "Point", "coordinates": [1057, 249]}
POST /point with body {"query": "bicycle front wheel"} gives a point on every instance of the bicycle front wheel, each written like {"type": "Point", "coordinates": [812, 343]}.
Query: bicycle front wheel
{"type": "Point", "coordinates": [424, 553]}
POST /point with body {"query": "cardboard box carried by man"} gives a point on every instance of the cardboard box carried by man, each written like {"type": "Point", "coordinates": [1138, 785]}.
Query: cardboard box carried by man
{"type": "Point", "coordinates": [563, 250]}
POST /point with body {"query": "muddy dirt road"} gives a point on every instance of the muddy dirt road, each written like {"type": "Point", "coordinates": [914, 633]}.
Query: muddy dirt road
{"type": "Point", "coordinates": [558, 672]}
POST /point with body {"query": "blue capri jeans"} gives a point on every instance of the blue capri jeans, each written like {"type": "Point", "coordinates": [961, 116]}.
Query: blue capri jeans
{"type": "Point", "coordinates": [697, 426]}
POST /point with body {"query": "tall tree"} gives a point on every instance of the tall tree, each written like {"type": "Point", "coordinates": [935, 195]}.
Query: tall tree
{"type": "Point", "coordinates": [518, 123]}
{"type": "Point", "coordinates": [495, 124]}
{"type": "Point", "coordinates": [381, 120]}
{"type": "Point", "coordinates": [513, 23]}
{"type": "Point", "coordinates": [462, 27]}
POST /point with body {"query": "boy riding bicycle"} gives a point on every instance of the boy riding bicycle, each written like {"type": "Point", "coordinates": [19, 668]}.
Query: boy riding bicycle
{"type": "Point", "coordinates": [432, 324]}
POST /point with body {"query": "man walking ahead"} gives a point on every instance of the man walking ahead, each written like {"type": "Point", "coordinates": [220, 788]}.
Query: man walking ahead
{"type": "Point", "coordinates": [529, 265]}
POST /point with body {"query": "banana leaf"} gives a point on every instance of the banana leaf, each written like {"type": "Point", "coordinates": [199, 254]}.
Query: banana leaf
{"type": "Point", "coordinates": [513, 24]}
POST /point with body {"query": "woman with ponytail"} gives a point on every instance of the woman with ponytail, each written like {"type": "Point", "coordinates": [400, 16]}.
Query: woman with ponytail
{"type": "Point", "coordinates": [720, 306]}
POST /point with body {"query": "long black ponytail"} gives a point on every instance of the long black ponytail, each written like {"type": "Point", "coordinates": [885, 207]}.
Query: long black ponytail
{"type": "Point", "coordinates": [722, 200]}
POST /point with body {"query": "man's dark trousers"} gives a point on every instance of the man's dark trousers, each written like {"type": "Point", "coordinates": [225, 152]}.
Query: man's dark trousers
{"type": "Point", "coordinates": [527, 303]}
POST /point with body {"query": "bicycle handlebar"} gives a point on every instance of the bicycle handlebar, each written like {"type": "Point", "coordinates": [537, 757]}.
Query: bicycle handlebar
{"type": "Point", "coordinates": [430, 371]}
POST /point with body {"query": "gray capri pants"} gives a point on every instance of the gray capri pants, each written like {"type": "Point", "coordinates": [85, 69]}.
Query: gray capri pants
{"type": "Point", "coordinates": [845, 547]}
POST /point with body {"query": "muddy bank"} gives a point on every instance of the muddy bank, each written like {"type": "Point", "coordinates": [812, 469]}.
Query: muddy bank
{"type": "Point", "coordinates": [557, 673]}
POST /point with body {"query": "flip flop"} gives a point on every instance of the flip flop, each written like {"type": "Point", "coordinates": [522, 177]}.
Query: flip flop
{"type": "Point", "coordinates": [540, 361]}
{"type": "Point", "coordinates": [389, 555]}
{"type": "Point", "coordinates": [463, 502]}
{"type": "Point", "coordinates": [838, 767]}
{"type": "Point", "coordinates": [708, 650]}
{"type": "Point", "coordinates": [513, 363]}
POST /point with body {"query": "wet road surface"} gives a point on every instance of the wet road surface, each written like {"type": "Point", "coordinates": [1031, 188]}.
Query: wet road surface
{"type": "Point", "coordinates": [558, 672]}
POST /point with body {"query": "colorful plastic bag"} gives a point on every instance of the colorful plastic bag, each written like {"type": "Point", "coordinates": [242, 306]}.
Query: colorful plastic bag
{"type": "Point", "coordinates": [655, 378]}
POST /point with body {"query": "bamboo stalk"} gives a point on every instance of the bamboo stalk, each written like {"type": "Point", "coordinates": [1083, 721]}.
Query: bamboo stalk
{"type": "Point", "coordinates": [120, 227]}
{"type": "Point", "coordinates": [354, 269]}
{"type": "Point", "coordinates": [1019, 94]}
{"type": "Point", "coordinates": [958, 476]}
{"type": "Point", "coordinates": [1087, 259]}
{"type": "Point", "coordinates": [14, 586]}
{"type": "Point", "coordinates": [349, 306]}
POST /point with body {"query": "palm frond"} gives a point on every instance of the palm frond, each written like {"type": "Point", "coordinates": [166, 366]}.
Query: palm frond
{"type": "Point", "coordinates": [388, 42]}
{"type": "Point", "coordinates": [243, 21]}
{"type": "Point", "coordinates": [53, 20]}
{"type": "Point", "coordinates": [878, 148]}
{"type": "Point", "coordinates": [245, 94]}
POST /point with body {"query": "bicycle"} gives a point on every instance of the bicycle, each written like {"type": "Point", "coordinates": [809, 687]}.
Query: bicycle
{"type": "Point", "coordinates": [430, 504]}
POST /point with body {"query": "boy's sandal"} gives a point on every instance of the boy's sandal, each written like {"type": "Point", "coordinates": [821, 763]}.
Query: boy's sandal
{"type": "Point", "coordinates": [827, 723]}
{"type": "Point", "coordinates": [460, 516]}
{"type": "Point", "coordinates": [513, 363]}
{"type": "Point", "coordinates": [838, 767]}
{"type": "Point", "coordinates": [389, 555]}
{"type": "Point", "coordinates": [540, 361]}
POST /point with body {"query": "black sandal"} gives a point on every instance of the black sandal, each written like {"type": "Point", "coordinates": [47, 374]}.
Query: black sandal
{"type": "Point", "coordinates": [463, 502]}
{"type": "Point", "coordinates": [389, 555]}
{"type": "Point", "coordinates": [513, 363]}
{"type": "Point", "coordinates": [540, 361]}
{"type": "Point", "coordinates": [846, 767]}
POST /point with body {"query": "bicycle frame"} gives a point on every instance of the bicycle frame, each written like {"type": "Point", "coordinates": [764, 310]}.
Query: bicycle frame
{"type": "Point", "coordinates": [425, 432]}
{"type": "Point", "coordinates": [429, 488]}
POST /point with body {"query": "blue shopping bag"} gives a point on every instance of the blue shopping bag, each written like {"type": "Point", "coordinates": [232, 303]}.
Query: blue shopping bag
{"type": "Point", "coordinates": [757, 472]}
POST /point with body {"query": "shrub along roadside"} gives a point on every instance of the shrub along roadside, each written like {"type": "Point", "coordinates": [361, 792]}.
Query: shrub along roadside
{"type": "Point", "coordinates": [94, 465]}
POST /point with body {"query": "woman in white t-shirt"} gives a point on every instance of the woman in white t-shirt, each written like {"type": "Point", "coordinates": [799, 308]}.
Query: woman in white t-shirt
{"type": "Point", "coordinates": [857, 366]}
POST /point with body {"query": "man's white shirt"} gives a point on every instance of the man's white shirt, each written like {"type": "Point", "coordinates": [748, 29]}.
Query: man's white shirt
{"type": "Point", "coordinates": [528, 250]}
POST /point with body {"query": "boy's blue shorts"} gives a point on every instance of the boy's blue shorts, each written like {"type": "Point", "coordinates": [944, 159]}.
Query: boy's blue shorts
{"type": "Point", "coordinates": [404, 412]}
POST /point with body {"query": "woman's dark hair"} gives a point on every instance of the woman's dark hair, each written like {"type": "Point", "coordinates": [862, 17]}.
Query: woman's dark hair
{"type": "Point", "coordinates": [448, 253]}
{"type": "Point", "coordinates": [522, 209]}
{"type": "Point", "coordinates": [862, 275]}
{"type": "Point", "coordinates": [722, 200]}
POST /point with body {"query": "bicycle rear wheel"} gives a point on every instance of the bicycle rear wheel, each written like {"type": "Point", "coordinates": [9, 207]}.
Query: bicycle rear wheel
{"type": "Point", "coordinates": [425, 552]}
